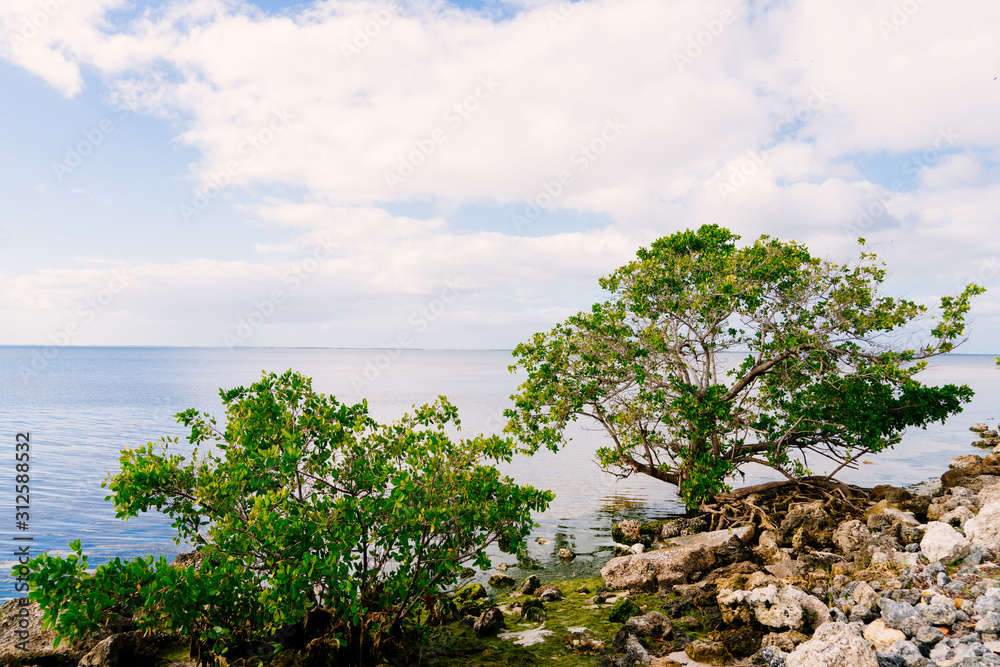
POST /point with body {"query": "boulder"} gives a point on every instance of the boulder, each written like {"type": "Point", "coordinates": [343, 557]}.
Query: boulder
{"type": "Point", "coordinates": [768, 549]}
{"type": "Point", "coordinates": [984, 528]}
{"type": "Point", "coordinates": [666, 567]}
{"type": "Point", "coordinates": [979, 427]}
{"type": "Point", "coordinates": [834, 645]}
{"type": "Point", "coordinates": [881, 636]}
{"type": "Point", "coordinates": [943, 543]}
{"type": "Point", "coordinates": [566, 554]}
{"type": "Point", "coordinates": [785, 607]}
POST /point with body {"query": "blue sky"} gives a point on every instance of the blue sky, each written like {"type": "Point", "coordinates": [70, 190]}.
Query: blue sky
{"type": "Point", "coordinates": [354, 161]}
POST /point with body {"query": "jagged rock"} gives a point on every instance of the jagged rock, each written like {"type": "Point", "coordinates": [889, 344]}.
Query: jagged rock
{"type": "Point", "coordinates": [984, 528]}
{"type": "Point", "coordinates": [646, 571]}
{"type": "Point", "coordinates": [960, 496]}
{"type": "Point", "coordinates": [629, 529]}
{"type": "Point", "coordinates": [875, 543]}
{"type": "Point", "coordinates": [808, 522]}
{"type": "Point", "coordinates": [894, 613]}
{"type": "Point", "coordinates": [989, 601]}
{"type": "Point", "coordinates": [489, 623]}
{"type": "Point", "coordinates": [943, 543]}
{"type": "Point", "coordinates": [865, 594]}
{"type": "Point", "coordinates": [959, 516]}
{"type": "Point", "coordinates": [834, 645]}
{"type": "Point", "coordinates": [940, 611]}
{"type": "Point", "coordinates": [704, 650]}
{"type": "Point", "coordinates": [785, 607]}
{"type": "Point", "coordinates": [768, 548]}
{"type": "Point", "coordinates": [881, 636]}
{"type": "Point", "coordinates": [903, 653]}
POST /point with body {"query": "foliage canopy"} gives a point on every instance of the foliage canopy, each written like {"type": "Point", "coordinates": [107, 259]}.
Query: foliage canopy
{"type": "Point", "coordinates": [305, 504]}
{"type": "Point", "coordinates": [819, 366]}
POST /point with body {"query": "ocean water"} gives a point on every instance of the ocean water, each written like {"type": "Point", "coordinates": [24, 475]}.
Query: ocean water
{"type": "Point", "coordinates": [82, 405]}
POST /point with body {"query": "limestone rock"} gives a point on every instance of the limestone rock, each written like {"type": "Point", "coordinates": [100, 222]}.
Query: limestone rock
{"type": "Point", "coordinates": [881, 636]}
{"type": "Point", "coordinates": [959, 515]}
{"type": "Point", "coordinates": [647, 570]}
{"type": "Point", "coordinates": [788, 569]}
{"type": "Point", "coordinates": [712, 540]}
{"type": "Point", "coordinates": [785, 607]}
{"type": "Point", "coordinates": [943, 543]}
{"type": "Point", "coordinates": [834, 645]}
{"type": "Point", "coordinates": [989, 494]}
{"type": "Point", "coordinates": [566, 554]}
{"type": "Point", "coordinates": [530, 585]}
{"type": "Point", "coordinates": [865, 594]}
{"type": "Point", "coordinates": [630, 530]}
{"type": "Point", "coordinates": [984, 528]}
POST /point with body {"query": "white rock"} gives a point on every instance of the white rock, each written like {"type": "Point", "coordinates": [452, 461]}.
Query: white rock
{"type": "Point", "coordinates": [984, 528]}
{"type": "Point", "coordinates": [834, 645]}
{"type": "Point", "coordinates": [637, 548]}
{"type": "Point", "coordinates": [943, 543]}
{"type": "Point", "coordinates": [960, 514]}
{"type": "Point", "coordinates": [712, 539]}
{"type": "Point", "coordinates": [866, 595]}
{"type": "Point", "coordinates": [787, 607]}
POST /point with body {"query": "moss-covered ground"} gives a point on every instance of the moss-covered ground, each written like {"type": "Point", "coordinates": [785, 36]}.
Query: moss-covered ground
{"type": "Point", "coordinates": [455, 644]}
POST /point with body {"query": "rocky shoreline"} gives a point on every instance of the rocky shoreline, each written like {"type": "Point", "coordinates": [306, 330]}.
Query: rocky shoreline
{"type": "Point", "coordinates": [821, 576]}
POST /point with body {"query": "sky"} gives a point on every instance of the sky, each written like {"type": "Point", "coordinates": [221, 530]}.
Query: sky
{"type": "Point", "coordinates": [437, 174]}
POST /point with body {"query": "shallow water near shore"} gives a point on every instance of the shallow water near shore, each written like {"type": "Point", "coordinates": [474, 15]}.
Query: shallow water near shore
{"type": "Point", "coordinates": [82, 405]}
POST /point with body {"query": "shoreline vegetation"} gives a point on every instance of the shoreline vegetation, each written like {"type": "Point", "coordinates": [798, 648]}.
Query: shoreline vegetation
{"type": "Point", "coordinates": [800, 577]}
{"type": "Point", "coordinates": [324, 537]}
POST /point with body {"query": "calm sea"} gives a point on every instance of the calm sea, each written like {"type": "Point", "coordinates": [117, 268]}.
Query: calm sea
{"type": "Point", "coordinates": [82, 405]}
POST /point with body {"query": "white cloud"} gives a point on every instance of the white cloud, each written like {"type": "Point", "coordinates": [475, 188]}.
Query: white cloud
{"type": "Point", "coordinates": [610, 95]}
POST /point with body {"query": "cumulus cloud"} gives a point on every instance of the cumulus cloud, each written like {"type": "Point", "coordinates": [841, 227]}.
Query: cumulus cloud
{"type": "Point", "coordinates": [659, 114]}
